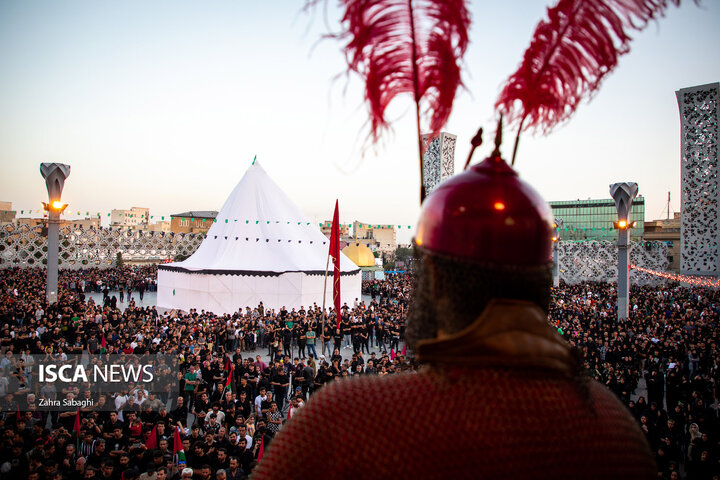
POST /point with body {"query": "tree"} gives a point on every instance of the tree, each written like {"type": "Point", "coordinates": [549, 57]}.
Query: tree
{"type": "Point", "coordinates": [402, 254]}
{"type": "Point", "coordinates": [119, 260]}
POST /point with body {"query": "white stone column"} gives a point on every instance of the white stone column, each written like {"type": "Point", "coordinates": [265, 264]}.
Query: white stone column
{"type": "Point", "coordinates": [54, 175]}
{"type": "Point", "coordinates": [623, 194]}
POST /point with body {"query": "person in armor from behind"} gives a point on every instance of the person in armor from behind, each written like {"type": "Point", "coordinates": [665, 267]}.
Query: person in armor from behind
{"type": "Point", "coordinates": [511, 392]}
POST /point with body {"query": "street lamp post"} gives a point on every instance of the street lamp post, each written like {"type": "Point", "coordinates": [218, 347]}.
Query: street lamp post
{"type": "Point", "coordinates": [556, 242]}
{"type": "Point", "coordinates": [623, 194]}
{"type": "Point", "coordinates": [54, 175]}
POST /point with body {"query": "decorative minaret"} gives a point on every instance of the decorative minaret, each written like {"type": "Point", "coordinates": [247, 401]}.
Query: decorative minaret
{"type": "Point", "coordinates": [54, 175]}
{"type": "Point", "coordinates": [623, 194]}
{"type": "Point", "coordinates": [438, 159]}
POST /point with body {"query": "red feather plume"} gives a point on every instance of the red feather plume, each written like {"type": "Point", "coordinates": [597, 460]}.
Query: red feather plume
{"type": "Point", "coordinates": [569, 55]}
{"type": "Point", "coordinates": [406, 46]}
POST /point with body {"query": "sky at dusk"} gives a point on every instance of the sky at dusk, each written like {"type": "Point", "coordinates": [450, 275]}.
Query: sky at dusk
{"type": "Point", "coordinates": [164, 104]}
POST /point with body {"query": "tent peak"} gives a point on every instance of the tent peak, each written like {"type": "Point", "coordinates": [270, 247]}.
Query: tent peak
{"type": "Point", "coordinates": [255, 165]}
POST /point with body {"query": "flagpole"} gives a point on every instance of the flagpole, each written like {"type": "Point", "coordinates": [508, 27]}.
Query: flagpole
{"type": "Point", "coordinates": [322, 335]}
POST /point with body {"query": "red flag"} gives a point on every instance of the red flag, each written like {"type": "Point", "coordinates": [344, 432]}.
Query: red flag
{"type": "Point", "coordinates": [227, 364]}
{"type": "Point", "coordinates": [261, 452]}
{"type": "Point", "coordinates": [289, 412]}
{"type": "Point", "coordinates": [177, 441]}
{"type": "Point", "coordinates": [404, 352]}
{"type": "Point", "coordinates": [178, 451]}
{"type": "Point", "coordinates": [151, 443]}
{"type": "Point", "coordinates": [76, 426]}
{"type": "Point", "coordinates": [335, 254]}
{"type": "Point", "coordinates": [392, 354]}
{"type": "Point", "coordinates": [103, 344]}
{"type": "Point", "coordinates": [229, 379]}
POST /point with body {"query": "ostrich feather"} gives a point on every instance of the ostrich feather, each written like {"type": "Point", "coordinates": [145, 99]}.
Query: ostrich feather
{"type": "Point", "coordinates": [569, 55]}
{"type": "Point", "coordinates": [406, 47]}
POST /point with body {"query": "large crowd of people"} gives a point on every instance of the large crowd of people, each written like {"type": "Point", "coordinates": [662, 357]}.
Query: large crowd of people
{"type": "Point", "coordinates": [242, 376]}
{"type": "Point", "coordinates": [670, 341]}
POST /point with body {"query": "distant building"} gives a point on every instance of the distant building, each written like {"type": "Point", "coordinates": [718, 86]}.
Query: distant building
{"type": "Point", "coordinates": [667, 231]}
{"type": "Point", "coordinates": [198, 221]}
{"type": "Point", "coordinates": [136, 217]}
{"type": "Point", "coordinates": [80, 223]}
{"type": "Point", "coordinates": [30, 222]}
{"type": "Point", "coordinates": [161, 226]}
{"type": "Point", "coordinates": [86, 223]}
{"type": "Point", "coordinates": [326, 229]}
{"type": "Point", "coordinates": [381, 238]}
{"type": "Point", "coordinates": [593, 219]}
{"type": "Point", "coordinates": [7, 214]}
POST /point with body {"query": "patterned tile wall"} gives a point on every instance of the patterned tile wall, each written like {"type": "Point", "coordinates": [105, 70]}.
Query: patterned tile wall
{"type": "Point", "coordinates": [700, 254]}
{"type": "Point", "coordinates": [25, 246]}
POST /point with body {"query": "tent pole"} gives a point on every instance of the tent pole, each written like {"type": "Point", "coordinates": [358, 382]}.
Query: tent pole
{"type": "Point", "coordinates": [322, 334]}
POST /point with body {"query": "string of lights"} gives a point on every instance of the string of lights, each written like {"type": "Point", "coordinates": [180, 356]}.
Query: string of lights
{"type": "Point", "coordinates": [199, 220]}
{"type": "Point", "coordinates": [693, 280]}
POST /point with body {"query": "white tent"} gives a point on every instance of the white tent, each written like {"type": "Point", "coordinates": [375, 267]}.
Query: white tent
{"type": "Point", "coordinates": [261, 248]}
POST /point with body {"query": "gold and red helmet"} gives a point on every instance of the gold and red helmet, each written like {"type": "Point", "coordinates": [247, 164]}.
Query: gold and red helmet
{"type": "Point", "coordinates": [487, 214]}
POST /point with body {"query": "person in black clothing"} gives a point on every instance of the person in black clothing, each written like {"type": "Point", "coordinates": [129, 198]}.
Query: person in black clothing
{"type": "Point", "coordinates": [337, 339]}
{"type": "Point", "coordinates": [245, 456]}
{"type": "Point", "coordinates": [155, 461]}
{"type": "Point", "coordinates": [200, 409]}
{"type": "Point", "coordinates": [355, 336]}
{"type": "Point", "coordinates": [110, 425]}
{"type": "Point", "coordinates": [220, 460]}
{"type": "Point", "coordinates": [243, 406]}
{"type": "Point", "coordinates": [271, 339]}
{"type": "Point", "coordinates": [197, 457]}
{"type": "Point", "coordinates": [394, 336]}
{"type": "Point", "coordinates": [287, 336]}
{"type": "Point", "coordinates": [235, 471]}
{"type": "Point", "coordinates": [336, 357]}
{"type": "Point", "coordinates": [266, 404]}
{"type": "Point", "coordinates": [180, 413]}
{"type": "Point", "coordinates": [297, 376]}
{"type": "Point", "coordinates": [308, 383]}
{"type": "Point", "coordinates": [99, 454]}
{"type": "Point", "coordinates": [302, 339]}
{"type": "Point", "coordinates": [364, 339]}
{"type": "Point", "coordinates": [380, 335]}
{"type": "Point", "coordinates": [346, 330]}
{"type": "Point", "coordinates": [262, 437]}
{"type": "Point", "coordinates": [280, 382]}
{"type": "Point", "coordinates": [118, 443]}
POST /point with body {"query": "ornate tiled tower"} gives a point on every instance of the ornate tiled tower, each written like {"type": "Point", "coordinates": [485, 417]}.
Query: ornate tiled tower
{"type": "Point", "coordinates": [699, 118]}
{"type": "Point", "coordinates": [438, 159]}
